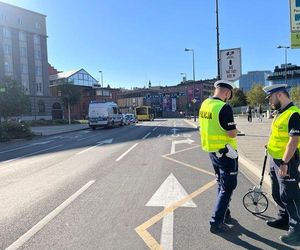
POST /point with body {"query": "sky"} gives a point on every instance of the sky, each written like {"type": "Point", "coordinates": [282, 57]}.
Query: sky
{"type": "Point", "coordinates": [136, 41]}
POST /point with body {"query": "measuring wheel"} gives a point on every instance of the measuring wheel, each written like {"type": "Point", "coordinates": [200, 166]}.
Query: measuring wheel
{"type": "Point", "coordinates": [255, 201]}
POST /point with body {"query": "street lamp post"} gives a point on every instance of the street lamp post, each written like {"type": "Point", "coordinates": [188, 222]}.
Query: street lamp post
{"type": "Point", "coordinates": [218, 40]}
{"type": "Point", "coordinates": [192, 50]}
{"type": "Point", "coordinates": [101, 72]}
{"type": "Point", "coordinates": [285, 55]}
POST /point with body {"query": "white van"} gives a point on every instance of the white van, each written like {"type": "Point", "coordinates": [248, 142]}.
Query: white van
{"type": "Point", "coordinates": [104, 114]}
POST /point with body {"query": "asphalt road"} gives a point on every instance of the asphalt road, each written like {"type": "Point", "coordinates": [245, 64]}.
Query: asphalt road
{"type": "Point", "coordinates": [135, 187]}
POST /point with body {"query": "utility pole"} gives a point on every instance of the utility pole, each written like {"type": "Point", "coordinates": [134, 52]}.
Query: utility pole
{"type": "Point", "coordinates": [218, 40]}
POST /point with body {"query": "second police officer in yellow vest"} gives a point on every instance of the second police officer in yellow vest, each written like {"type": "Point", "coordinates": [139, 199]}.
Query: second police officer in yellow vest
{"type": "Point", "coordinates": [283, 148]}
{"type": "Point", "coordinates": [218, 132]}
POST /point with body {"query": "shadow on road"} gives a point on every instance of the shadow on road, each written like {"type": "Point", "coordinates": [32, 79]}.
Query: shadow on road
{"type": "Point", "coordinates": [238, 230]}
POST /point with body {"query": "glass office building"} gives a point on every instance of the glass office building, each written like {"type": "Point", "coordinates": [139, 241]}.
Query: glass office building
{"type": "Point", "coordinates": [246, 81]}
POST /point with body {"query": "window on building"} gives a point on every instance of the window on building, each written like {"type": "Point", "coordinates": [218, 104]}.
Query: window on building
{"type": "Point", "coordinates": [24, 68]}
{"type": "Point", "coordinates": [22, 36]}
{"type": "Point", "coordinates": [23, 51]}
{"type": "Point", "coordinates": [2, 17]}
{"type": "Point", "coordinates": [41, 106]}
{"type": "Point", "coordinates": [38, 25]}
{"type": "Point", "coordinates": [39, 87]}
{"type": "Point", "coordinates": [20, 21]}
{"type": "Point", "coordinates": [7, 49]}
{"type": "Point", "coordinates": [37, 54]}
{"type": "Point", "coordinates": [36, 39]}
{"type": "Point", "coordinates": [6, 32]}
{"type": "Point", "coordinates": [106, 93]}
{"type": "Point", "coordinates": [7, 67]}
{"type": "Point", "coordinates": [38, 70]}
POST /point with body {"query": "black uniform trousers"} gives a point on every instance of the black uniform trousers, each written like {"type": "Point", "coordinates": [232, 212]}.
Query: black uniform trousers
{"type": "Point", "coordinates": [286, 193]}
{"type": "Point", "coordinates": [226, 170]}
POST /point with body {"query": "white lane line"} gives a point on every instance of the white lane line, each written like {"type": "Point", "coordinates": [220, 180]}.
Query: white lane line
{"type": "Point", "coordinates": [34, 153]}
{"type": "Point", "coordinates": [9, 150]}
{"type": "Point", "coordinates": [159, 136]}
{"type": "Point", "coordinates": [81, 152]}
{"type": "Point", "coordinates": [154, 129]}
{"type": "Point", "coordinates": [25, 237]}
{"type": "Point", "coordinates": [126, 152]}
{"type": "Point", "coordinates": [146, 136]}
{"type": "Point", "coordinates": [108, 141]}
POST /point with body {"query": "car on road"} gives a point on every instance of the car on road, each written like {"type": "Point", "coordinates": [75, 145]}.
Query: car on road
{"type": "Point", "coordinates": [132, 118]}
{"type": "Point", "coordinates": [126, 120]}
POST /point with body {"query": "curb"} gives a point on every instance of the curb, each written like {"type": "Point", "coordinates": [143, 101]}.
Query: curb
{"type": "Point", "coordinates": [59, 133]}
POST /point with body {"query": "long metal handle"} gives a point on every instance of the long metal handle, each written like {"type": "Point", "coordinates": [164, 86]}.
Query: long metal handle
{"type": "Point", "coordinates": [264, 168]}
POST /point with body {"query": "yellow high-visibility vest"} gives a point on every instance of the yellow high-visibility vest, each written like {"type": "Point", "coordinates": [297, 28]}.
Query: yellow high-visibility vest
{"type": "Point", "coordinates": [279, 133]}
{"type": "Point", "coordinates": [213, 136]}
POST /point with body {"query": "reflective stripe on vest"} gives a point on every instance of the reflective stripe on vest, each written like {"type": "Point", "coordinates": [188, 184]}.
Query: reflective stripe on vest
{"type": "Point", "coordinates": [279, 133]}
{"type": "Point", "coordinates": [213, 136]}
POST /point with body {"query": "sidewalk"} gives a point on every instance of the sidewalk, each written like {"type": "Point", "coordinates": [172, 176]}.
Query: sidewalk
{"type": "Point", "coordinates": [58, 129]}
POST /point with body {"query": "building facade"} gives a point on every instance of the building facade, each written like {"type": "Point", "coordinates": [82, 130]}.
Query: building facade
{"type": "Point", "coordinates": [247, 81]}
{"type": "Point", "coordinates": [169, 101]}
{"type": "Point", "coordinates": [89, 88]}
{"type": "Point", "coordinates": [292, 76]}
{"type": "Point", "coordinates": [23, 56]}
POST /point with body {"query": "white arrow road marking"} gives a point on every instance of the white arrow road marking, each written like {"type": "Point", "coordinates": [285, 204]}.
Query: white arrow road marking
{"type": "Point", "coordinates": [174, 130]}
{"type": "Point", "coordinates": [108, 141]}
{"type": "Point", "coordinates": [173, 149]}
{"type": "Point", "coordinates": [170, 192]}
{"type": "Point", "coordinates": [25, 237]}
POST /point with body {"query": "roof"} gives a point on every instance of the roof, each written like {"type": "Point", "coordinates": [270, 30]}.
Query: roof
{"type": "Point", "coordinates": [63, 75]}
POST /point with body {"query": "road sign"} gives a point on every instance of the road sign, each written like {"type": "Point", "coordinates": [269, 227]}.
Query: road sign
{"type": "Point", "coordinates": [295, 15]}
{"type": "Point", "coordinates": [194, 100]}
{"type": "Point", "coordinates": [295, 40]}
{"type": "Point", "coordinates": [230, 64]}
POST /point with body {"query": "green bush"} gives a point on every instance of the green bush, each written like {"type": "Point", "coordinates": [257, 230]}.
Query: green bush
{"type": "Point", "coordinates": [14, 130]}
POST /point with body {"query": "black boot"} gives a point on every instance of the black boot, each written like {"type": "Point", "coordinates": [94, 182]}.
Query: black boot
{"type": "Point", "coordinates": [278, 223]}
{"type": "Point", "coordinates": [219, 229]}
{"type": "Point", "coordinates": [291, 238]}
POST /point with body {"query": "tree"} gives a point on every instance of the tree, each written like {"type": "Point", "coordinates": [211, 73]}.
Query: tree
{"type": "Point", "coordinates": [238, 98]}
{"type": "Point", "coordinates": [295, 95]}
{"type": "Point", "coordinates": [256, 95]}
{"type": "Point", "coordinates": [70, 95]}
{"type": "Point", "coordinates": [13, 101]}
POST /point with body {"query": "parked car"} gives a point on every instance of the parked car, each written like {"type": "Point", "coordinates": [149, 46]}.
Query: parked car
{"type": "Point", "coordinates": [126, 121]}
{"type": "Point", "coordinates": [132, 118]}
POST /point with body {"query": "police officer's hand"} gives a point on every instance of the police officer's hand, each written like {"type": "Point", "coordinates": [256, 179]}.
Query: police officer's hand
{"type": "Point", "coordinates": [283, 170]}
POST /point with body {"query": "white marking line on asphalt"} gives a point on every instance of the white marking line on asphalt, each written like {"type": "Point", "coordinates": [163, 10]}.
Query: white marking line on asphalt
{"type": "Point", "coordinates": [34, 153]}
{"type": "Point", "coordinates": [154, 129]}
{"type": "Point", "coordinates": [159, 136]}
{"type": "Point", "coordinates": [98, 144]}
{"type": "Point", "coordinates": [120, 158]}
{"type": "Point", "coordinates": [9, 150]}
{"type": "Point", "coordinates": [146, 136]}
{"type": "Point", "coordinates": [25, 237]}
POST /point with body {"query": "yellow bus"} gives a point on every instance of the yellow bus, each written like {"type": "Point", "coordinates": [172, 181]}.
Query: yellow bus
{"type": "Point", "coordinates": [144, 113]}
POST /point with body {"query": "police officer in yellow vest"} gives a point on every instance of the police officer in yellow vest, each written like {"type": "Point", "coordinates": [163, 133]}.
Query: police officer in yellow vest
{"type": "Point", "coordinates": [218, 132]}
{"type": "Point", "coordinates": [283, 148]}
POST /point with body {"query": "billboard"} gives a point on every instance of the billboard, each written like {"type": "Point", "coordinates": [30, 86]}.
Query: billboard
{"type": "Point", "coordinates": [295, 15]}
{"type": "Point", "coordinates": [230, 64]}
